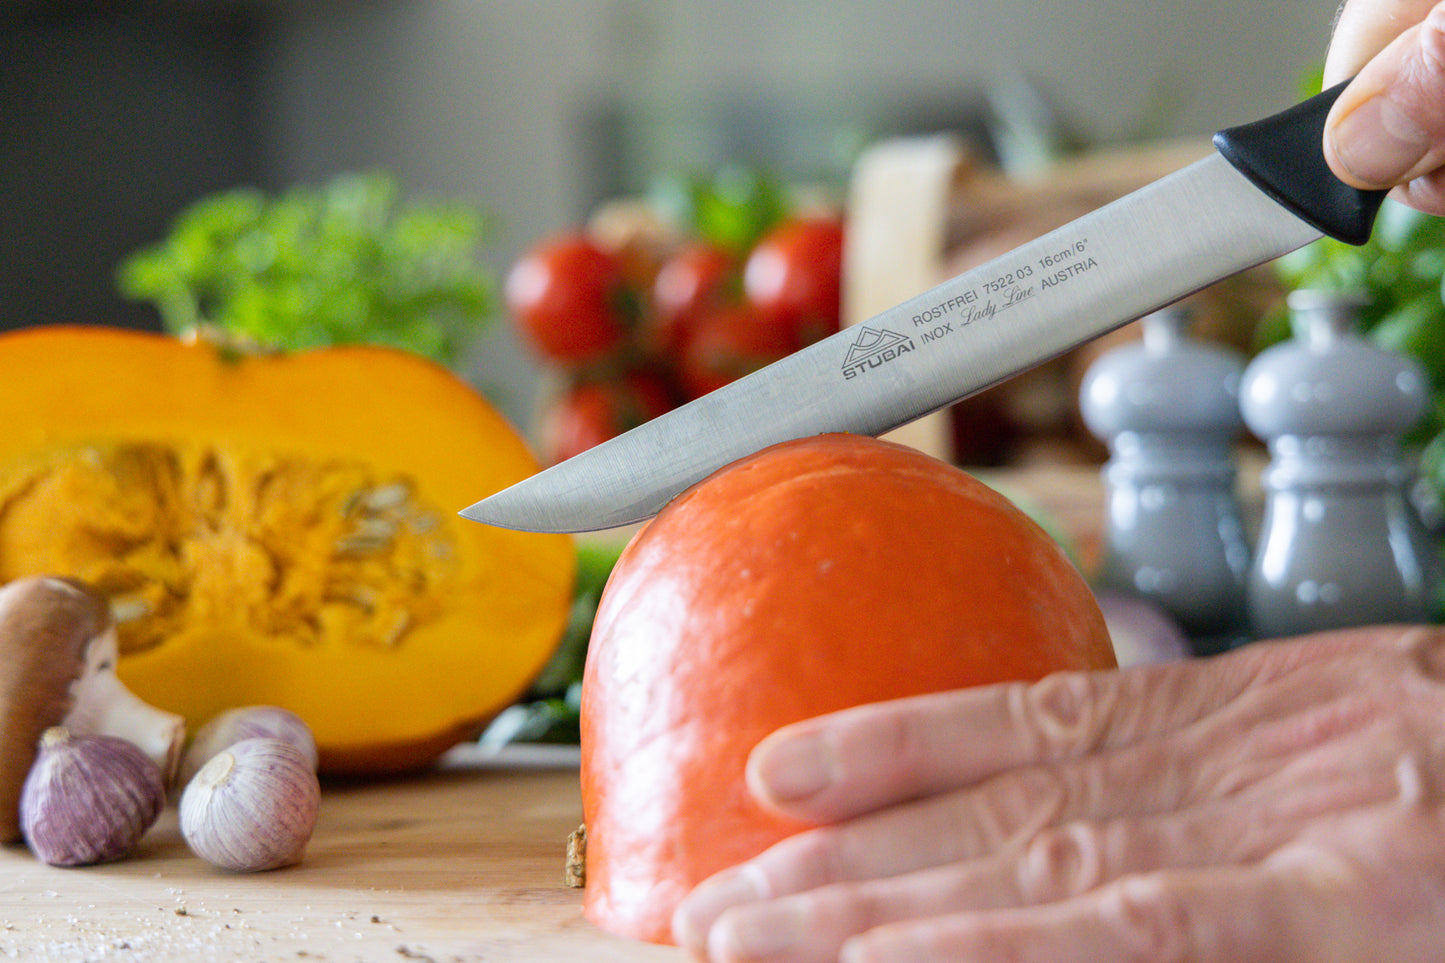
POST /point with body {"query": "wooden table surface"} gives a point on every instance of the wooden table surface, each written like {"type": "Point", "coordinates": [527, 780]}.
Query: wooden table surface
{"type": "Point", "coordinates": [461, 865]}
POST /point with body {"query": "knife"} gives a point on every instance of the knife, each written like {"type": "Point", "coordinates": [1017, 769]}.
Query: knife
{"type": "Point", "coordinates": [1264, 192]}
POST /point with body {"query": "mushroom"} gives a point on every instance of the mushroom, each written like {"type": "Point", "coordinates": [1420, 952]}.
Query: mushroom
{"type": "Point", "coordinates": [58, 652]}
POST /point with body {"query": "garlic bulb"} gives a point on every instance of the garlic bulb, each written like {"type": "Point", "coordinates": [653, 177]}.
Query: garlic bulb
{"type": "Point", "coordinates": [88, 798]}
{"type": "Point", "coordinates": [252, 806]}
{"type": "Point", "coordinates": [248, 722]}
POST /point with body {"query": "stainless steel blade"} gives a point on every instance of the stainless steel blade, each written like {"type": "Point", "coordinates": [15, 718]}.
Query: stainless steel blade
{"type": "Point", "coordinates": [1131, 257]}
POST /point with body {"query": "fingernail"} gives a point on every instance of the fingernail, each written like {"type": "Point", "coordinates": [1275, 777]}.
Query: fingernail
{"type": "Point", "coordinates": [757, 932]}
{"type": "Point", "coordinates": [793, 768]}
{"type": "Point", "coordinates": [1378, 143]}
{"type": "Point", "coordinates": [695, 915]}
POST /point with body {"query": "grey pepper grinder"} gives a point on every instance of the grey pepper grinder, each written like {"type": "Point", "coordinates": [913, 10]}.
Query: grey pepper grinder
{"type": "Point", "coordinates": [1340, 543]}
{"type": "Point", "coordinates": [1167, 407]}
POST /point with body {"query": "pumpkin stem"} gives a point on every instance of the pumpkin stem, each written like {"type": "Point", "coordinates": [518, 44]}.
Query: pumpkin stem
{"type": "Point", "coordinates": [232, 346]}
{"type": "Point", "coordinates": [577, 857]}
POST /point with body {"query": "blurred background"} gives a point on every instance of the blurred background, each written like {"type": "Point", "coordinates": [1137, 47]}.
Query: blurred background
{"type": "Point", "coordinates": [118, 115]}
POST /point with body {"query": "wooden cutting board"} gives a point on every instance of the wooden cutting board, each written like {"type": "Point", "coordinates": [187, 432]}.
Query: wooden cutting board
{"type": "Point", "coordinates": [461, 865]}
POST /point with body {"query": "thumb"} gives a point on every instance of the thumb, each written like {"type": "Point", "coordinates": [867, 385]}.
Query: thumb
{"type": "Point", "coordinates": [1388, 126]}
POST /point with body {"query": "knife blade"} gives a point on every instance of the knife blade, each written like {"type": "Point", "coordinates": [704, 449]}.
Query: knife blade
{"type": "Point", "coordinates": [1266, 191]}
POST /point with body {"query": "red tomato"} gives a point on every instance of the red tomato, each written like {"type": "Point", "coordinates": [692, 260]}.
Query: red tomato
{"type": "Point", "coordinates": [570, 299]}
{"type": "Point", "coordinates": [592, 412]}
{"type": "Point", "coordinates": [726, 344]}
{"type": "Point", "coordinates": [696, 280]}
{"type": "Point", "coordinates": [794, 277]}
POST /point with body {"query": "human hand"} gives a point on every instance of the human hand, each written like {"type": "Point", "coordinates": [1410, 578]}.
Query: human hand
{"type": "Point", "coordinates": [1281, 803]}
{"type": "Point", "coordinates": [1387, 129]}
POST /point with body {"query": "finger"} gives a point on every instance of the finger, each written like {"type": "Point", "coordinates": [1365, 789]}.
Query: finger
{"type": "Point", "coordinates": [1364, 28]}
{"type": "Point", "coordinates": [1058, 864]}
{"type": "Point", "coordinates": [859, 760]}
{"type": "Point", "coordinates": [1215, 915]}
{"type": "Point", "coordinates": [1388, 125]}
{"type": "Point", "coordinates": [1070, 860]}
{"type": "Point", "coordinates": [1296, 736]}
{"type": "Point", "coordinates": [1365, 887]}
{"type": "Point", "coordinates": [1425, 193]}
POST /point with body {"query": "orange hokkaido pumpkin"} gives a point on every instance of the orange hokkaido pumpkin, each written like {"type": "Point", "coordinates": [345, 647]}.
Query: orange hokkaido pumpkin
{"type": "Point", "coordinates": [813, 576]}
{"type": "Point", "coordinates": [282, 529]}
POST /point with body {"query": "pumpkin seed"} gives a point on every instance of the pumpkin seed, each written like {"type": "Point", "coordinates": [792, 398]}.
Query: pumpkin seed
{"type": "Point", "coordinates": [387, 497]}
{"type": "Point", "coordinates": [130, 609]}
{"type": "Point", "coordinates": [400, 623]}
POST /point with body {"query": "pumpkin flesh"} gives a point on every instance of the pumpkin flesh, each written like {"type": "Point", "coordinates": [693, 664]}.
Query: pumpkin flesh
{"type": "Point", "coordinates": [817, 575]}
{"type": "Point", "coordinates": [282, 529]}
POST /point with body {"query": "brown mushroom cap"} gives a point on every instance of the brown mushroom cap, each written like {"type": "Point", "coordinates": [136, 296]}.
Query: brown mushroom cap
{"type": "Point", "coordinates": [46, 625]}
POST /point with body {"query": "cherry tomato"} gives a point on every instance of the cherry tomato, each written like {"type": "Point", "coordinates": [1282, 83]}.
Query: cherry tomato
{"type": "Point", "coordinates": [570, 299]}
{"type": "Point", "coordinates": [794, 277]}
{"type": "Point", "coordinates": [726, 344]}
{"type": "Point", "coordinates": [699, 278]}
{"type": "Point", "coordinates": [591, 412]}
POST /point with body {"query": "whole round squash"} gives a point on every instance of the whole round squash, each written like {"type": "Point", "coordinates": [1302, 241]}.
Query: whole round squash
{"type": "Point", "coordinates": [813, 576]}
{"type": "Point", "coordinates": [282, 529]}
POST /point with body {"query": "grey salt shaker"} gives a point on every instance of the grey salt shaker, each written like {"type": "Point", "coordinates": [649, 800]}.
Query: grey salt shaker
{"type": "Point", "coordinates": [1340, 543]}
{"type": "Point", "coordinates": [1167, 407]}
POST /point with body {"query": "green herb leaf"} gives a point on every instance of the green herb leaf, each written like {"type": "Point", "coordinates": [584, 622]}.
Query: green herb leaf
{"type": "Point", "coordinates": [347, 263]}
{"type": "Point", "coordinates": [731, 208]}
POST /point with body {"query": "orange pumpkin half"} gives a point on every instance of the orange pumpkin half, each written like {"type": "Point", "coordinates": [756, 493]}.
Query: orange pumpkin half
{"type": "Point", "coordinates": [813, 576]}
{"type": "Point", "coordinates": [282, 529]}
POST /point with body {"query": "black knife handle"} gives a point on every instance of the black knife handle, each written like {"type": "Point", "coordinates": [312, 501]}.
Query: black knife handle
{"type": "Point", "coordinates": [1284, 157]}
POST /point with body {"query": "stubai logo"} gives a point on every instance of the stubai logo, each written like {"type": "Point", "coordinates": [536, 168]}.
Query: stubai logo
{"type": "Point", "coordinates": [874, 347]}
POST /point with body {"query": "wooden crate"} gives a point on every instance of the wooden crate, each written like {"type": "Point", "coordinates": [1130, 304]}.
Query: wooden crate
{"type": "Point", "coordinates": [923, 209]}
